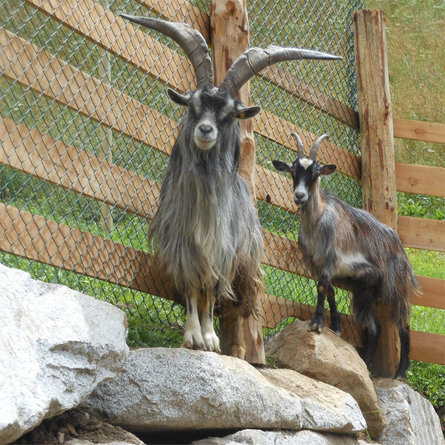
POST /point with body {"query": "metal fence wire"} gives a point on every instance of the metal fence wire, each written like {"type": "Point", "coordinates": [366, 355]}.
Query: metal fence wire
{"type": "Point", "coordinates": [84, 113]}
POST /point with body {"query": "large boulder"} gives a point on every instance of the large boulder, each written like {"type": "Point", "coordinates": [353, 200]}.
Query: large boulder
{"type": "Point", "coordinates": [410, 418]}
{"type": "Point", "coordinates": [258, 437]}
{"type": "Point", "coordinates": [56, 346]}
{"type": "Point", "coordinates": [178, 389]}
{"type": "Point", "coordinates": [328, 358]}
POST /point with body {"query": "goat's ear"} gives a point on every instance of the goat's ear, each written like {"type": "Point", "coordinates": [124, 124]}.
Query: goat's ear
{"type": "Point", "coordinates": [180, 99]}
{"type": "Point", "coordinates": [282, 166]}
{"type": "Point", "coordinates": [243, 112]}
{"type": "Point", "coordinates": [327, 169]}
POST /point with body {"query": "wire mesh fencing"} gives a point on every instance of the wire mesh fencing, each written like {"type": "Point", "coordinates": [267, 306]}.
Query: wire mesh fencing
{"type": "Point", "coordinates": [87, 128]}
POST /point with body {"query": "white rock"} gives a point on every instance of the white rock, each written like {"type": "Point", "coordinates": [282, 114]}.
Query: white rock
{"type": "Point", "coordinates": [410, 418]}
{"type": "Point", "coordinates": [56, 345]}
{"type": "Point", "coordinates": [179, 389]}
{"type": "Point", "coordinates": [258, 437]}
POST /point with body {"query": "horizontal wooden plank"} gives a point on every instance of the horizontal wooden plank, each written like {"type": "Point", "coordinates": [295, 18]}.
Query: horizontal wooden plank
{"type": "Point", "coordinates": [283, 254]}
{"type": "Point", "coordinates": [312, 95]}
{"type": "Point", "coordinates": [275, 189]}
{"type": "Point", "coordinates": [422, 233]}
{"type": "Point", "coordinates": [181, 11]}
{"type": "Point", "coordinates": [279, 130]}
{"type": "Point", "coordinates": [433, 293]}
{"type": "Point", "coordinates": [41, 156]}
{"type": "Point", "coordinates": [122, 38]}
{"type": "Point", "coordinates": [412, 178]}
{"type": "Point", "coordinates": [427, 347]}
{"type": "Point", "coordinates": [45, 241]}
{"type": "Point", "coordinates": [419, 131]}
{"type": "Point", "coordinates": [46, 74]}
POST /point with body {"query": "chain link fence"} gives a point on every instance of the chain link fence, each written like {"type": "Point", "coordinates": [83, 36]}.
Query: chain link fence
{"type": "Point", "coordinates": [84, 112]}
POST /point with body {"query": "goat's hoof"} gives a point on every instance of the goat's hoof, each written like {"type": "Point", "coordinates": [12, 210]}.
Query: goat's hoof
{"type": "Point", "coordinates": [316, 326]}
{"type": "Point", "coordinates": [335, 328]}
{"type": "Point", "coordinates": [238, 352]}
{"type": "Point", "coordinates": [193, 340]}
{"type": "Point", "coordinates": [211, 342]}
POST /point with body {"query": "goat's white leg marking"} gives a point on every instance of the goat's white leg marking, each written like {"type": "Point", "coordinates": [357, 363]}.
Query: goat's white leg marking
{"type": "Point", "coordinates": [211, 340]}
{"type": "Point", "coordinates": [192, 335]}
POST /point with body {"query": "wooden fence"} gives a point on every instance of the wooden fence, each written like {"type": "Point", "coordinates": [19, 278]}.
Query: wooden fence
{"type": "Point", "coordinates": [29, 151]}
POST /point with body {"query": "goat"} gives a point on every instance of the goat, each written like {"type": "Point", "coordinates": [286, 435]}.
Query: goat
{"type": "Point", "coordinates": [206, 233]}
{"type": "Point", "coordinates": [348, 247]}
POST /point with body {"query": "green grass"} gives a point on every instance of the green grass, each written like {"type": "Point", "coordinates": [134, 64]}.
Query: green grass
{"type": "Point", "coordinates": [429, 379]}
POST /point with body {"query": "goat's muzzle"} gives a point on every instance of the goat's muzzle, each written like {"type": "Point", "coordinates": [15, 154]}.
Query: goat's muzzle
{"type": "Point", "coordinates": [205, 135]}
{"type": "Point", "coordinates": [300, 198]}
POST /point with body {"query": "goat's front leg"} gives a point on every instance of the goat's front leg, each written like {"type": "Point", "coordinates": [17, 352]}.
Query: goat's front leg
{"type": "Point", "coordinates": [192, 335]}
{"type": "Point", "coordinates": [317, 323]}
{"type": "Point", "coordinates": [211, 340]}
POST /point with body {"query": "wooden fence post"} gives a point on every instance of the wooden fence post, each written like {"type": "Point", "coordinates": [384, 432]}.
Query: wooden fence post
{"type": "Point", "coordinates": [377, 145]}
{"type": "Point", "coordinates": [230, 38]}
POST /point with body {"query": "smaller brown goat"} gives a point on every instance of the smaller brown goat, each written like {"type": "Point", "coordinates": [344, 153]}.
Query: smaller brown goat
{"type": "Point", "coordinates": [347, 247]}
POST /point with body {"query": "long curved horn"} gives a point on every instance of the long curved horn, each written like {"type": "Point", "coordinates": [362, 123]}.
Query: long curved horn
{"type": "Point", "coordinates": [316, 146]}
{"type": "Point", "coordinates": [253, 60]}
{"type": "Point", "coordinates": [300, 149]}
{"type": "Point", "coordinates": [190, 40]}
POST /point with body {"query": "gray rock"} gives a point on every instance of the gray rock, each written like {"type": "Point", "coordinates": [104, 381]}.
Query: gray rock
{"type": "Point", "coordinates": [56, 346]}
{"type": "Point", "coordinates": [258, 437]}
{"type": "Point", "coordinates": [179, 389]}
{"type": "Point", "coordinates": [410, 418]}
{"type": "Point", "coordinates": [328, 358]}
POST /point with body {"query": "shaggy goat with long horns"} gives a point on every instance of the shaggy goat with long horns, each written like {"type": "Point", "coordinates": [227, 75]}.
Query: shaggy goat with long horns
{"type": "Point", "coordinates": [348, 247]}
{"type": "Point", "coordinates": [206, 232]}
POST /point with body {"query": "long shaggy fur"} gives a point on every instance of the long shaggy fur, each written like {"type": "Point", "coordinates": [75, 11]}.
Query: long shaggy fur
{"type": "Point", "coordinates": [206, 231]}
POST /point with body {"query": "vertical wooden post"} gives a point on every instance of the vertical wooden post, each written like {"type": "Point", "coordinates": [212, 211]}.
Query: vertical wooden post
{"type": "Point", "coordinates": [377, 145]}
{"type": "Point", "coordinates": [230, 38]}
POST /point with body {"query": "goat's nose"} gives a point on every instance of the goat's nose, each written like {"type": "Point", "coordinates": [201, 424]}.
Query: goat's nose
{"type": "Point", "coordinates": [299, 196]}
{"type": "Point", "coordinates": [204, 128]}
